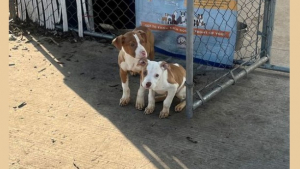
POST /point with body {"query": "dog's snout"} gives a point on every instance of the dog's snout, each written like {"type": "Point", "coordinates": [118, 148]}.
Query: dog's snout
{"type": "Point", "coordinates": [143, 53]}
{"type": "Point", "coordinates": [148, 84]}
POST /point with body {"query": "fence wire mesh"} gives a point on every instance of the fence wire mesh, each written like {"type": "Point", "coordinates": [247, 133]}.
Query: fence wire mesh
{"type": "Point", "coordinates": [113, 17]}
{"type": "Point", "coordinates": [247, 47]}
{"type": "Point", "coordinates": [108, 17]}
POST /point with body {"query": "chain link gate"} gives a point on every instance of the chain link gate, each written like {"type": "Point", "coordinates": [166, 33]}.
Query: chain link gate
{"type": "Point", "coordinates": [107, 19]}
{"type": "Point", "coordinates": [255, 25]}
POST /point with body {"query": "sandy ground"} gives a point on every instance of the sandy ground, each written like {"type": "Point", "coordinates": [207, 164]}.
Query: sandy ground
{"type": "Point", "coordinates": [71, 117]}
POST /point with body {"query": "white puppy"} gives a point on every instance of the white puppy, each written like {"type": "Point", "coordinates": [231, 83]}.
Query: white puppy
{"type": "Point", "coordinates": [163, 78]}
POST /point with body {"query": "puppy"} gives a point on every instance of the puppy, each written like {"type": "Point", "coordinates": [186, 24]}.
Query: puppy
{"type": "Point", "coordinates": [163, 78]}
{"type": "Point", "coordinates": [133, 46]}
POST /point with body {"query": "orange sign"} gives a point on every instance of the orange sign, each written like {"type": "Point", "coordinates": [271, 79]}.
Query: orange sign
{"type": "Point", "coordinates": [216, 33]}
{"type": "Point", "coordinates": [215, 4]}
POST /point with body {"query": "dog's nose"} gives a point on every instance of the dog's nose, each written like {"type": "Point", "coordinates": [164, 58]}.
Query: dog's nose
{"type": "Point", "coordinates": [143, 53]}
{"type": "Point", "coordinates": [148, 84]}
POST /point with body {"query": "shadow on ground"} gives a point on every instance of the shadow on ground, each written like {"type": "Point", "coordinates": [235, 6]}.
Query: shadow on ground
{"type": "Point", "coordinates": [247, 126]}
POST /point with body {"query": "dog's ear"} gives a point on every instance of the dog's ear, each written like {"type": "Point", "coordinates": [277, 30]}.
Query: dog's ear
{"type": "Point", "coordinates": [143, 62]}
{"type": "Point", "coordinates": [118, 41]}
{"type": "Point", "coordinates": [164, 65]}
{"type": "Point", "coordinates": [143, 35]}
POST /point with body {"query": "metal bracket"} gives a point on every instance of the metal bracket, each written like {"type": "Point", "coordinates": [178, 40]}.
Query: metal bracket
{"type": "Point", "coordinates": [200, 96]}
{"type": "Point", "coordinates": [246, 72]}
{"type": "Point", "coordinates": [260, 33]}
{"type": "Point", "coordinates": [231, 73]}
{"type": "Point", "coordinates": [220, 86]}
{"type": "Point", "coordinates": [188, 85]}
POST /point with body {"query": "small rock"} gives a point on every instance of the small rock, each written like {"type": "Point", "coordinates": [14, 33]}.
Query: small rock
{"type": "Point", "coordinates": [115, 85]}
{"type": "Point", "coordinates": [22, 105]}
{"type": "Point", "coordinates": [42, 70]}
{"type": "Point", "coordinates": [15, 47]}
{"type": "Point", "coordinates": [191, 140]}
{"type": "Point", "coordinates": [11, 37]}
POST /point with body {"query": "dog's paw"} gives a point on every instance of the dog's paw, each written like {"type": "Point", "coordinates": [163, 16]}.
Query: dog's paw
{"type": "Point", "coordinates": [149, 109]}
{"type": "Point", "coordinates": [180, 106]}
{"type": "Point", "coordinates": [139, 104]}
{"type": "Point", "coordinates": [163, 114]}
{"type": "Point", "coordinates": [124, 101]}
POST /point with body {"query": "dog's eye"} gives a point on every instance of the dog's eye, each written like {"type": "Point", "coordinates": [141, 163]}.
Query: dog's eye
{"type": "Point", "coordinates": [132, 44]}
{"type": "Point", "coordinates": [145, 73]}
{"type": "Point", "coordinates": [156, 75]}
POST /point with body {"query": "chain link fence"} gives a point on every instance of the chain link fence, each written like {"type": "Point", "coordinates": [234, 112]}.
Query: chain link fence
{"type": "Point", "coordinates": [252, 33]}
{"type": "Point", "coordinates": [247, 46]}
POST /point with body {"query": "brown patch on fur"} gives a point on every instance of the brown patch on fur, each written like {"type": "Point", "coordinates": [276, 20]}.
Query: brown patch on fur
{"type": "Point", "coordinates": [118, 42]}
{"type": "Point", "coordinates": [123, 75]}
{"type": "Point", "coordinates": [143, 31]}
{"type": "Point", "coordinates": [142, 36]}
{"type": "Point", "coordinates": [143, 62]}
{"type": "Point", "coordinates": [121, 57]}
{"type": "Point", "coordinates": [160, 98]}
{"type": "Point", "coordinates": [143, 74]}
{"type": "Point", "coordinates": [176, 74]}
{"type": "Point", "coordinates": [129, 43]}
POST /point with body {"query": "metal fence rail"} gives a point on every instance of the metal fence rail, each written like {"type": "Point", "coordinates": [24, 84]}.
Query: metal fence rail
{"type": "Point", "coordinates": [254, 30]}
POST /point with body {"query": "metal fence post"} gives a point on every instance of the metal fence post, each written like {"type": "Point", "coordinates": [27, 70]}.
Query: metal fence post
{"type": "Point", "coordinates": [268, 27]}
{"type": "Point", "coordinates": [189, 58]}
{"type": "Point", "coordinates": [12, 9]}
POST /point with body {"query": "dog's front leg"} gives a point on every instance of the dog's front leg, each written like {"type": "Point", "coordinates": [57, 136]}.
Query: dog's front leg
{"type": "Point", "coordinates": [126, 91]}
{"type": "Point", "coordinates": [181, 95]}
{"type": "Point", "coordinates": [151, 102]}
{"type": "Point", "coordinates": [167, 102]}
{"type": "Point", "coordinates": [140, 99]}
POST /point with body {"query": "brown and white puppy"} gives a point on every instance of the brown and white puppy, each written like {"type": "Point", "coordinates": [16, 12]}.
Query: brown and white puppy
{"type": "Point", "coordinates": [133, 46]}
{"type": "Point", "coordinates": [163, 78]}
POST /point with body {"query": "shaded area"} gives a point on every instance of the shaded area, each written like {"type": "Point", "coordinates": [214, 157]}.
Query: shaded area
{"type": "Point", "coordinates": [245, 127]}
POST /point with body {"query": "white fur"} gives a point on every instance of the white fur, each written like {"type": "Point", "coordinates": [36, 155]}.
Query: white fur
{"type": "Point", "coordinates": [140, 48]}
{"type": "Point", "coordinates": [151, 102]}
{"type": "Point", "coordinates": [130, 63]}
{"type": "Point", "coordinates": [181, 90]}
{"type": "Point", "coordinates": [161, 85]}
{"type": "Point", "coordinates": [176, 64]}
{"type": "Point", "coordinates": [126, 93]}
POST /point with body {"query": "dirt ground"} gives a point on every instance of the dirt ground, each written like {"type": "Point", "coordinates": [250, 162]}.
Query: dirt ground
{"type": "Point", "coordinates": [70, 117]}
